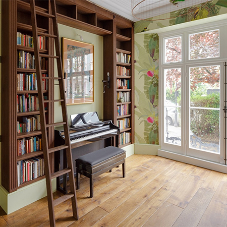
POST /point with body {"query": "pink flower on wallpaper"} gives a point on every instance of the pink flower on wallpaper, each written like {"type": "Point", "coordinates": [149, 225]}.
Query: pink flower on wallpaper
{"type": "Point", "coordinates": [150, 119]}
{"type": "Point", "coordinates": [150, 73]}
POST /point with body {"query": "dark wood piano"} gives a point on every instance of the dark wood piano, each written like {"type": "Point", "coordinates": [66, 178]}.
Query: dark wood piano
{"type": "Point", "coordinates": [85, 130]}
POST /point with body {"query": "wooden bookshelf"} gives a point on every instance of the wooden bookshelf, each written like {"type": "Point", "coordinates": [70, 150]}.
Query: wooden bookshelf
{"type": "Point", "coordinates": [117, 34]}
{"type": "Point", "coordinates": [120, 42]}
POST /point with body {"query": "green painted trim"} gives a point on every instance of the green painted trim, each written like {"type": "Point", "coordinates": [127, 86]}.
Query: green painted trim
{"type": "Point", "coordinates": [129, 150]}
{"type": "Point", "coordinates": [3, 198]}
{"type": "Point", "coordinates": [11, 202]}
{"type": "Point", "coordinates": [149, 149]}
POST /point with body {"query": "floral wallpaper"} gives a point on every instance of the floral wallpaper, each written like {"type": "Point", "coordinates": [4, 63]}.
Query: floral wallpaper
{"type": "Point", "coordinates": [147, 66]}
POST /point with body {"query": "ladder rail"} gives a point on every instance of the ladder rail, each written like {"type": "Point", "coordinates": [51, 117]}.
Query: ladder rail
{"type": "Point", "coordinates": [64, 112]}
{"type": "Point", "coordinates": [52, 15]}
{"type": "Point", "coordinates": [42, 114]}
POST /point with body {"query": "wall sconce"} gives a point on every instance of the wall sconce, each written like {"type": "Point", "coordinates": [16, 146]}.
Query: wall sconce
{"type": "Point", "coordinates": [106, 83]}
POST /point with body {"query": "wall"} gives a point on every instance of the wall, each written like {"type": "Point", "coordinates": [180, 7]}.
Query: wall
{"type": "Point", "coordinates": [29, 194]}
{"type": "Point", "coordinates": [147, 68]}
{"type": "Point", "coordinates": [97, 41]}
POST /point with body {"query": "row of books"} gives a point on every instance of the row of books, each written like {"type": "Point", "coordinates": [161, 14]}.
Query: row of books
{"type": "Point", "coordinates": [28, 145]}
{"type": "Point", "coordinates": [29, 169]}
{"type": "Point", "coordinates": [122, 71]}
{"type": "Point", "coordinates": [123, 123]}
{"type": "Point", "coordinates": [27, 41]}
{"type": "Point", "coordinates": [123, 84]}
{"type": "Point", "coordinates": [29, 124]}
{"type": "Point", "coordinates": [27, 103]}
{"type": "Point", "coordinates": [123, 110]}
{"type": "Point", "coordinates": [123, 96]}
{"type": "Point", "coordinates": [26, 60]}
{"type": "Point", "coordinates": [124, 138]}
{"type": "Point", "coordinates": [123, 58]}
{"type": "Point", "coordinates": [28, 82]}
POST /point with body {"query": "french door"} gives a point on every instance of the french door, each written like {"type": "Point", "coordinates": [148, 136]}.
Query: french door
{"type": "Point", "coordinates": [192, 94]}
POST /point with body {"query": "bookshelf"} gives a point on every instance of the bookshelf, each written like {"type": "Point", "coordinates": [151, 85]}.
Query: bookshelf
{"type": "Point", "coordinates": [117, 35]}
{"type": "Point", "coordinates": [118, 61]}
{"type": "Point", "coordinates": [21, 135]}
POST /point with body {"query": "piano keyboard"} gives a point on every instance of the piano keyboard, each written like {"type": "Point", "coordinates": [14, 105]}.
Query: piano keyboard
{"type": "Point", "coordinates": [80, 139]}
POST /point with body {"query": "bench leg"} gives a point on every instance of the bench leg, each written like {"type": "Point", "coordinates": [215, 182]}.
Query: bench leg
{"type": "Point", "coordinates": [91, 186]}
{"type": "Point", "coordinates": [123, 169]}
{"type": "Point", "coordinates": [77, 180]}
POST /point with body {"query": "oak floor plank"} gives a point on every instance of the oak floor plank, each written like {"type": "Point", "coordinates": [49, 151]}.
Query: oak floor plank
{"type": "Point", "coordinates": [165, 216]}
{"type": "Point", "coordinates": [128, 207]}
{"type": "Point", "coordinates": [142, 213]}
{"type": "Point", "coordinates": [186, 191]}
{"type": "Point", "coordinates": [3, 223]}
{"type": "Point", "coordinates": [123, 195]}
{"type": "Point", "coordinates": [215, 214]}
{"type": "Point", "coordinates": [192, 214]}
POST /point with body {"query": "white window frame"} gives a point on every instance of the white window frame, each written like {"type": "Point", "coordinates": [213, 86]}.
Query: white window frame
{"type": "Point", "coordinates": [185, 64]}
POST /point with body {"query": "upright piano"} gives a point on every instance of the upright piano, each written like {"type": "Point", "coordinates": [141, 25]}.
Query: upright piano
{"type": "Point", "coordinates": [85, 129]}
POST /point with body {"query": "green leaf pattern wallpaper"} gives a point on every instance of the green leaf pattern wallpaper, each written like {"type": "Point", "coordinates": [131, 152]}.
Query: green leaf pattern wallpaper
{"type": "Point", "coordinates": [147, 66]}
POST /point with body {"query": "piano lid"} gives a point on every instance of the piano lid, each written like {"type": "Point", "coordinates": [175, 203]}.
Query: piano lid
{"type": "Point", "coordinates": [81, 119]}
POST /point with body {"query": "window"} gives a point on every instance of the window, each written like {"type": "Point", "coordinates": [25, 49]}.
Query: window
{"type": "Point", "coordinates": [191, 95]}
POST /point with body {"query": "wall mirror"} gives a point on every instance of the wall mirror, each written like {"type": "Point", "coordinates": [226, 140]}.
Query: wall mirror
{"type": "Point", "coordinates": [78, 69]}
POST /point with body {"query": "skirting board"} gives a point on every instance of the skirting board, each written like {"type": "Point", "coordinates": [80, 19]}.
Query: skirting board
{"type": "Point", "coordinates": [129, 150]}
{"type": "Point", "coordinates": [149, 149]}
{"type": "Point", "coordinates": [11, 202]}
{"type": "Point", "coordinates": [193, 161]}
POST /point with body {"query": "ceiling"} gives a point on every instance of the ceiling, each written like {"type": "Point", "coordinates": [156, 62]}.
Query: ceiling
{"type": "Point", "coordinates": [148, 8]}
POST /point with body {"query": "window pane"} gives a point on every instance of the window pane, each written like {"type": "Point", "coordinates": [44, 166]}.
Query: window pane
{"type": "Point", "coordinates": [172, 106]}
{"type": "Point", "coordinates": [173, 50]}
{"type": "Point", "coordinates": [204, 45]}
{"type": "Point", "coordinates": [205, 86]}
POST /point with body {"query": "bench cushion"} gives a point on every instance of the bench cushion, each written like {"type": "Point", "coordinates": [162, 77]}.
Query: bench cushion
{"type": "Point", "coordinates": [101, 155]}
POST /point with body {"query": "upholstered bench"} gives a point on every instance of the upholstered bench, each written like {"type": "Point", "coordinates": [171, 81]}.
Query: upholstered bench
{"type": "Point", "coordinates": [98, 162]}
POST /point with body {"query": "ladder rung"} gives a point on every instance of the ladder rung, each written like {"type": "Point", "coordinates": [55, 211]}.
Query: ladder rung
{"type": "Point", "coordinates": [48, 56]}
{"type": "Point", "coordinates": [62, 199]}
{"type": "Point", "coordinates": [52, 78]}
{"type": "Point", "coordinates": [47, 35]}
{"type": "Point", "coordinates": [62, 147]}
{"type": "Point", "coordinates": [44, 14]}
{"type": "Point", "coordinates": [56, 100]}
{"type": "Point", "coordinates": [55, 124]}
{"type": "Point", "coordinates": [60, 173]}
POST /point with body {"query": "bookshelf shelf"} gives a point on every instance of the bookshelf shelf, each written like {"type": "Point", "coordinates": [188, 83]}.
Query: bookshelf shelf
{"type": "Point", "coordinates": [123, 64]}
{"type": "Point", "coordinates": [123, 77]}
{"type": "Point", "coordinates": [123, 90]}
{"type": "Point", "coordinates": [123, 51]}
{"type": "Point", "coordinates": [122, 38]}
{"type": "Point", "coordinates": [122, 103]}
{"type": "Point", "coordinates": [28, 134]}
{"type": "Point", "coordinates": [31, 181]}
{"type": "Point", "coordinates": [27, 27]}
{"type": "Point", "coordinates": [123, 116]}
{"type": "Point", "coordinates": [30, 92]}
{"type": "Point", "coordinates": [22, 114]}
{"type": "Point", "coordinates": [125, 130]}
{"type": "Point", "coordinates": [29, 49]}
{"type": "Point", "coordinates": [23, 70]}
{"type": "Point", "coordinates": [29, 155]}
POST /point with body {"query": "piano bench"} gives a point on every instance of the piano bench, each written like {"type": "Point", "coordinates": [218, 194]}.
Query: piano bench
{"type": "Point", "coordinates": [98, 162]}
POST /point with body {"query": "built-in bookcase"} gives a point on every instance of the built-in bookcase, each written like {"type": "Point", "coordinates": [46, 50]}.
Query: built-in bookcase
{"type": "Point", "coordinates": [19, 104]}
{"type": "Point", "coordinates": [22, 155]}
{"type": "Point", "coordinates": [119, 99]}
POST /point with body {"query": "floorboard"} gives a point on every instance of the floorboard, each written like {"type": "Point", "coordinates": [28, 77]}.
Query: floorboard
{"type": "Point", "coordinates": [155, 192]}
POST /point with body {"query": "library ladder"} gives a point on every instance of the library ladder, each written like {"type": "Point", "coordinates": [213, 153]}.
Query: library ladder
{"type": "Point", "coordinates": [51, 15]}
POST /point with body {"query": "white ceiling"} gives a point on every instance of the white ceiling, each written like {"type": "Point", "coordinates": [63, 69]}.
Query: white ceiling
{"type": "Point", "coordinates": [150, 8]}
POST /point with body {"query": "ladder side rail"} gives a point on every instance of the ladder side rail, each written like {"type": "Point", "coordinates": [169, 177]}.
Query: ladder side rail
{"type": "Point", "coordinates": [64, 112]}
{"type": "Point", "coordinates": [42, 115]}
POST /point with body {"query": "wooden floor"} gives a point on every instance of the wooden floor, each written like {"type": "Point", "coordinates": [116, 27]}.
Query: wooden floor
{"type": "Point", "coordinates": [156, 192]}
